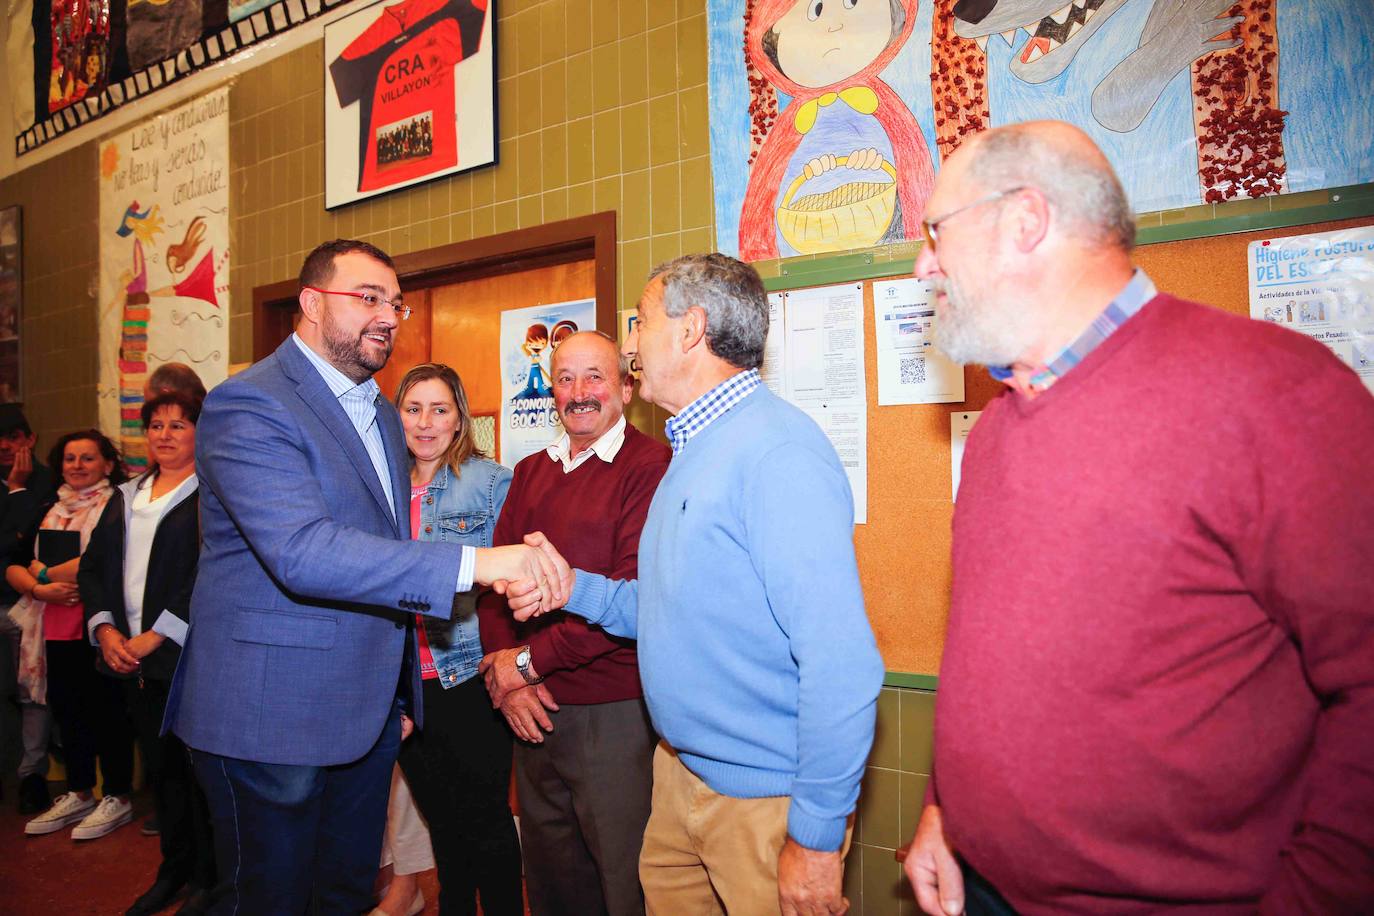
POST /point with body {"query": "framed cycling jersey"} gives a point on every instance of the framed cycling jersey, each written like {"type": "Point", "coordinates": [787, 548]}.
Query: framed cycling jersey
{"type": "Point", "coordinates": [409, 95]}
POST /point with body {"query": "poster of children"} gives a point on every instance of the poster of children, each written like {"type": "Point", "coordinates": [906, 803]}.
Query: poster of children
{"type": "Point", "coordinates": [529, 337]}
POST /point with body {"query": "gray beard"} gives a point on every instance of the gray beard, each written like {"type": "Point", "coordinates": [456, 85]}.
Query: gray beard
{"type": "Point", "coordinates": [988, 333]}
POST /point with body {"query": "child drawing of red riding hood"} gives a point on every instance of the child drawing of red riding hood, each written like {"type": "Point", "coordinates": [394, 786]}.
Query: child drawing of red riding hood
{"type": "Point", "coordinates": [844, 164]}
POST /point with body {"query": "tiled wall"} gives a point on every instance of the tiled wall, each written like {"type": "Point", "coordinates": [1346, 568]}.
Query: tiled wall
{"type": "Point", "coordinates": [894, 787]}
{"type": "Point", "coordinates": [58, 332]}
{"type": "Point", "coordinates": [602, 107]}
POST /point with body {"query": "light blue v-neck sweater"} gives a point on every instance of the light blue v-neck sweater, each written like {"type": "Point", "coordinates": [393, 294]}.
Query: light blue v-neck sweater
{"type": "Point", "coordinates": [758, 663]}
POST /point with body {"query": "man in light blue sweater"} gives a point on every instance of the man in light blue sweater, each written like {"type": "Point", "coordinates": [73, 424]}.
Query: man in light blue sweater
{"type": "Point", "coordinates": [758, 663]}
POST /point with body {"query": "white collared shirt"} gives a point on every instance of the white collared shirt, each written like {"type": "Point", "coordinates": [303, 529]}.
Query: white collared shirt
{"type": "Point", "coordinates": [145, 514]}
{"type": "Point", "coordinates": [606, 447]}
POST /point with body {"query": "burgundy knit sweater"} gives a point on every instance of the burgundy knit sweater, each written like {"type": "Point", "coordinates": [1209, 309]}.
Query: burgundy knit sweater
{"type": "Point", "coordinates": [1158, 682]}
{"type": "Point", "coordinates": [593, 515]}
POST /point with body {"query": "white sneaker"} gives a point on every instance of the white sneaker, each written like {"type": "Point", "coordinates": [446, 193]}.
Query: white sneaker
{"type": "Point", "coordinates": [112, 812]}
{"type": "Point", "coordinates": [68, 809]}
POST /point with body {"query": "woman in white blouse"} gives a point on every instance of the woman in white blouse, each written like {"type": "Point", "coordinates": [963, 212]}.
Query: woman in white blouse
{"type": "Point", "coordinates": [136, 579]}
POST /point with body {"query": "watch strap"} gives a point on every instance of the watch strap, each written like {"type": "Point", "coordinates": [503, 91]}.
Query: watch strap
{"type": "Point", "coordinates": [524, 669]}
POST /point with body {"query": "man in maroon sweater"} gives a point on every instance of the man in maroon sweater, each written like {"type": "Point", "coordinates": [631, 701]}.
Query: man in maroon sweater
{"type": "Point", "coordinates": [569, 691]}
{"type": "Point", "coordinates": [1157, 689]}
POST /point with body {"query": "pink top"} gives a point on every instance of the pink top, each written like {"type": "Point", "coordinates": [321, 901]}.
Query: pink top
{"type": "Point", "coordinates": [427, 669]}
{"type": "Point", "coordinates": [62, 622]}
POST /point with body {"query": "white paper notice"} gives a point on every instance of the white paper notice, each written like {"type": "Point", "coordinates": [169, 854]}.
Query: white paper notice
{"type": "Point", "coordinates": [1320, 285]}
{"type": "Point", "coordinates": [824, 372]}
{"type": "Point", "coordinates": [910, 369]}
{"type": "Point", "coordinates": [772, 370]}
{"type": "Point", "coordinates": [960, 422]}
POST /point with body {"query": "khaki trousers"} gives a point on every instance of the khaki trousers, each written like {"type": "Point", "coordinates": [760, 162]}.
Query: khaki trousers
{"type": "Point", "coordinates": [707, 853]}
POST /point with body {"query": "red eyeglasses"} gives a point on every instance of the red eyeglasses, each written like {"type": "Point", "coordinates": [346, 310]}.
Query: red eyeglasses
{"type": "Point", "coordinates": [371, 300]}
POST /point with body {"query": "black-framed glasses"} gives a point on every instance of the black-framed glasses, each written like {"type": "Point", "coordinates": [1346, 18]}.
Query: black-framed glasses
{"type": "Point", "coordinates": [930, 227]}
{"type": "Point", "coordinates": [371, 300]}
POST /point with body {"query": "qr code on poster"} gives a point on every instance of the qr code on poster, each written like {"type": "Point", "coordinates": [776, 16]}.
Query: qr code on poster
{"type": "Point", "coordinates": [913, 370]}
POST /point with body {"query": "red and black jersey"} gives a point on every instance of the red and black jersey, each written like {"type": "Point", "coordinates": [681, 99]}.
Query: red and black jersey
{"type": "Point", "coordinates": [401, 69]}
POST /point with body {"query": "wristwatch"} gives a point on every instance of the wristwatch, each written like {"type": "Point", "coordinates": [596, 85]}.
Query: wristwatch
{"type": "Point", "coordinates": [522, 664]}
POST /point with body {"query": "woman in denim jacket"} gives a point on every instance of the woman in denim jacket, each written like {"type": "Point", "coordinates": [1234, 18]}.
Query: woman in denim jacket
{"type": "Point", "coordinates": [459, 765]}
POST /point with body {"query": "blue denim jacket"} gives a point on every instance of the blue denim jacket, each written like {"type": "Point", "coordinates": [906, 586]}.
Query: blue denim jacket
{"type": "Point", "coordinates": [461, 510]}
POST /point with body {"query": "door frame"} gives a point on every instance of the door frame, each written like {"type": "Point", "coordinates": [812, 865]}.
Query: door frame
{"type": "Point", "coordinates": [562, 242]}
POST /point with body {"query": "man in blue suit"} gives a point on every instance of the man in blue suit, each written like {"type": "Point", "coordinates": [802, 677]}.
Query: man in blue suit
{"type": "Point", "coordinates": [299, 675]}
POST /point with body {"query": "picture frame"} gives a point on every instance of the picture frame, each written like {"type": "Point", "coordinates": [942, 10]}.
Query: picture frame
{"type": "Point", "coordinates": [11, 303]}
{"type": "Point", "coordinates": [407, 102]}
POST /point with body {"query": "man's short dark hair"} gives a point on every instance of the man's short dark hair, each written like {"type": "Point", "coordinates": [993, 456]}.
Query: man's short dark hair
{"type": "Point", "coordinates": [177, 377]}
{"type": "Point", "coordinates": [12, 420]}
{"type": "Point", "coordinates": [318, 268]}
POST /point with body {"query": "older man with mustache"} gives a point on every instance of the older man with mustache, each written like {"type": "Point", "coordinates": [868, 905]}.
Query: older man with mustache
{"type": "Point", "coordinates": [569, 690]}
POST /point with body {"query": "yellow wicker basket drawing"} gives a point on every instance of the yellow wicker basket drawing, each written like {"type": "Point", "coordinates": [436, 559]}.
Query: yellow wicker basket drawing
{"type": "Point", "coordinates": [854, 215]}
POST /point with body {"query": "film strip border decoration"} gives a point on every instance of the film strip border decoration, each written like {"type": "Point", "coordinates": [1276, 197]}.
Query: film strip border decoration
{"type": "Point", "coordinates": [208, 50]}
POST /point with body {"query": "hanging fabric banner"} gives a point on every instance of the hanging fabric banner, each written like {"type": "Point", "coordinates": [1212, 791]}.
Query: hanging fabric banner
{"type": "Point", "coordinates": [164, 258]}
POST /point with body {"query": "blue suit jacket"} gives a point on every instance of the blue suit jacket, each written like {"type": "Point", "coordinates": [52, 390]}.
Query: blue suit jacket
{"type": "Point", "coordinates": [300, 616]}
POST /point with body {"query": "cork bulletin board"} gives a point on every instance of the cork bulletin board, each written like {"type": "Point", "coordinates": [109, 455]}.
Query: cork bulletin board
{"type": "Point", "coordinates": [904, 548]}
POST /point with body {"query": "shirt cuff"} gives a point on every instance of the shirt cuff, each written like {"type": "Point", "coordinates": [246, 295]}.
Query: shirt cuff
{"type": "Point", "coordinates": [97, 620]}
{"type": "Point", "coordinates": [172, 627]}
{"type": "Point", "coordinates": [467, 569]}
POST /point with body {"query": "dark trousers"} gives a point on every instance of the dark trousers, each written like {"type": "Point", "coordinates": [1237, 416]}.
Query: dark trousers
{"type": "Point", "coordinates": [584, 802]}
{"type": "Point", "coordinates": [89, 708]}
{"type": "Point", "coordinates": [188, 849]}
{"type": "Point", "coordinates": [288, 838]}
{"type": "Point", "coordinates": [980, 897]}
{"type": "Point", "coordinates": [458, 768]}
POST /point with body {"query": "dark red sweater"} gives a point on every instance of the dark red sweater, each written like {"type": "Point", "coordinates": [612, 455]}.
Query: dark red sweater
{"type": "Point", "coordinates": [1158, 681]}
{"type": "Point", "coordinates": [593, 515]}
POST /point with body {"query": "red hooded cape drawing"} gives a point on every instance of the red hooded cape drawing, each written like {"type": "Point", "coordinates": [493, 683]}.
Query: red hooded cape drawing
{"type": "Point", "coordinates": [915, 173]}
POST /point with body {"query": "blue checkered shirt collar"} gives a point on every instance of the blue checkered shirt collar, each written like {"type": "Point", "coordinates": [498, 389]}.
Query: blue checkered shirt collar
{"type": "Point", "coordinates": [1130, 300]}
{"type": "Point", "coordinates": [702, 412]}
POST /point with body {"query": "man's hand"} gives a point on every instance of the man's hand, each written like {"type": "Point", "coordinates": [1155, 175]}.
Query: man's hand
{"type": "Point", "coordinates": [407, 726]}
{"type": "Point", "coordinates": [523, 597]}
{"type": "Point", "coordinates": [520, 563]}
{"type": "Point", "coordinates": [498, 668]}
{"type": "Point", "coordinates": [144, 644]}
{"type": "Point", "coordinates": [524, 710]}
{"type": "Point", "coordinates": [115, 650]}
{"type": "Point", "coordinates": [809, 881]}
{"type": "Point", "coordinates": [931, 868]}
{"type": "Point", "coordinates": [21, 469]}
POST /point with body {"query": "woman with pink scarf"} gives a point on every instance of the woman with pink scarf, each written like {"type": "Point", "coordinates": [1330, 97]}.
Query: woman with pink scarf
{"type": "Point", "coordinates": [57, 660]}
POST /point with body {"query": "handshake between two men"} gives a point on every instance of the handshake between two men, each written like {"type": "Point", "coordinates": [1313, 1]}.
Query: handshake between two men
{"type": "Point", "coordinates": [534, 577]}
